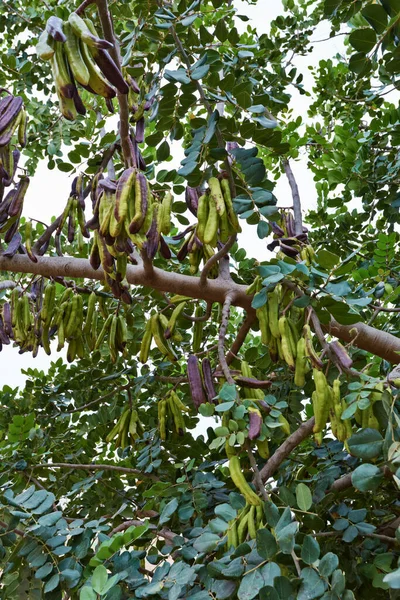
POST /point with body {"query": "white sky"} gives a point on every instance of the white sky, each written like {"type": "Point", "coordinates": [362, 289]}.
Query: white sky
{"type": "Point", "coordinates": [48, 190]}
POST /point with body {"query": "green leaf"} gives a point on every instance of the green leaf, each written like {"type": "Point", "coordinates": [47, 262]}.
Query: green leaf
{"type": "Point", "coordinates": [328, 563]}
{"type": "Point", "coordinates": [363, 39]}
{"type": "Point", "coordinates": [376, 17]}
{"type": "Point", "coordinates": [266, 543]}
{"type": "Point", "coordinates": [206, 542]}
{"type": "Point", "coordinates": [211, 127]}
{"type": "Point", "coordinates": [180, 76]}
{"type": "Point", "coordinates": [366, 444]}
{"type": "Point", "coordinates": [163, 151]}
{"type": "Point", "coordinates": [393, 579]}
{"type": "Point", "coordinates": [303, 497]}
{"type": "Point", "coordinates": [269, 572]}
{"type": "Point", "coordinates": [99, 578]}
{"type": "Point", "coordinates": [259, 299]}
{"type": "Point", "coordinates": [250, 585]}
{"type": "Point", "coordinates": [312, 586]}
{"type": "Point", "coordinates": [310, 550]}
{"type": "Point", "coordinates": [225, 511]}
{"type": "Point", "coordinates": [45, 570]}
{"type": "Point", "coordinates": [168, 511]}
{"type": "Point", "coordinates": [227, 392]}
{"type": "Point", "coordinates": [52, 583]}
{"type": "Point", "coordinates": [286, 537]}
{"type": "Point", "coordinates": [326, 259]}
{"type": "Point", "coordinates": [87, 593]}
{"type": "Point", "coordinates": [367, 478]}
{"type": "Point", "coordinates": [350, 534]}
{"type": "Point", "coordinates": [50, 519]}
{"type": "Point", "coordinates": [263, 229]}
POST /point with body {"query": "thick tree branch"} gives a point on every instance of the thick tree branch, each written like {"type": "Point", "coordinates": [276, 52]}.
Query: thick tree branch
{"type": "Point", "coordinates": [298, 219]}
{"type": "Point", "coordinates": [286, 448]}
{"type": "Point", "coordinates": [379, 343]}
{"type": "Point", "coordinates": [215, 258]}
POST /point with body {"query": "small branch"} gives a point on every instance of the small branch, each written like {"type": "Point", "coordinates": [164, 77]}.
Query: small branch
{"type": "Point", "coordinates": [296, 563]}
{"type": "Point", "coordinates": [46, 235]}
{"type": "Point", "coordinates": [92, 403]}
{"type": "Point", "coordinates": [215, 258]}
{"type": "Point", "coordinates": [106, 23]}
{"type": "Point", "coordinates": [257, 476]}
{"type": "Point", "coordinates": [298, 220]}
{"type": "Point", "coordinates": [384, 309]}
{"type": "Point", "coordinates": [201, 319]}
{"type": "Point", "coordinates": [221, 339]}
{"type": "Point", "coordinates": [126, 524]}
{"type": "Point", "coordinates": [84, 5]}
{"type": "Point", "coordinates": [208, 107]}
{"type": "Point", "coordinates": [17, 531]}
{"type": "Point", "coordinates": [274, 462]}
{"type": "Point", "coordinates": [384, 538]}
{"type": "Point", "coordinates": [241, 336]}
{"type": "Point", "coordinates": [94, 467]}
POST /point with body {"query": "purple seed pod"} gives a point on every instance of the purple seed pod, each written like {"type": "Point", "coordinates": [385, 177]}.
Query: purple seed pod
{"type": "Point", "coordinates": [342, 355]}
{"type": "Point", "coordinates": [180, 236]}
{"type": "Point", "coordinates": [276, 229]}
{"type": "Point", "coordinates": [139, 134]}
{"type": "Point", "coordinates": [110, 105]}
{"type": "Point", "coordinates": [255, 422]}
{"type": "Point", "coordinates": [16, 205]}
{"type": "Point", "coordinates": [288, 250]}
{"type": "Point", "coordinates": [272, 245]}
{"type": "Point", "coordinates": [54, 28]}
{"type": "Point", "coordinates": [13, 246]}
{"type": "Point", "coordinates": [192, 199]}
{"type": "Point", "coordinates": [57, 244]}
{"type": "Point", "coordinates": [195, 383]}
{"type": "Point", "coordinates": [5, 103]}
{"type": "Point", "coordinates": [149, 103]}
{"type": "Point", "coordinates": [153, 238]}
{"type": "Point", "coordinates": [137, 223]}
{"type": "Point", "coordinates": [183, 252]}
{"type": "Point", "coordinates": [290, 225]}
{"type": "Point", "coordinates": [4, 339]}
{"type": "Point", "coordinates": [208, 381]}
{"type": "Point", "coordinates": [43, 248]}
{"type": "Point", "coordinates": [265, 407]}
{"type": "Point", "coordinates": [11, 232]}
{"type": "Point", "coordinates": [255, 384]}
{"type": "Point", "coordinates": [7, 319]}
{"type": "Point", "coordinates": [133, 84]}
{"type": "Point", "coordinates": [165, 250]}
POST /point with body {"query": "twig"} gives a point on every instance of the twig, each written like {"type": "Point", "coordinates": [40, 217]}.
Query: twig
{"type": "Point", "coordinates": [46, 235]}
{"type": "Point", "coordinates": [241, 336]}
{"type": "Point", "coordinates": [257, 476]}
{"type": "Point", "coordinates": [201, 319]}
{"type": "Point", "coordinates": [17, 531]}
{"type": "Point", "coordinates": [208, 107]}
{"type": "Point", "coordinates": [286, 448]}
{"type": "Point", "coordinates": [296, 562]}
{"type": "Point", "coordinates": [384, 538]}
{"type": "Point", "coordinates": [126, 524]}
{"type": "Point", "coordinates": [298, 220]}
{"type": "Point", "coordinates": [85, 4]}
{"type": "Point", "coordinates": [221, 338]}
{"type": "Point", "coordinates": [94, 467]}
{"type": "Point", "coordinates": [91, 403]}
{"type": "Point", "coordinates": [106, 23]}
{"type": "Point", "coordinates": [215, 258]}
{"type": "Point", "coordinates": [384, 309]}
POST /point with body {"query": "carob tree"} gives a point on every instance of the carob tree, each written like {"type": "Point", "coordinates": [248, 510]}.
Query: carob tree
{"type": "Point", "coordinates": [287, 362]}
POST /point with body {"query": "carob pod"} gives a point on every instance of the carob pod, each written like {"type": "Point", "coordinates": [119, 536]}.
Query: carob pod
{"type": "Point", "coordinates": [255, 423]}
{"type": "Point", "coordinates": [139, 133]}
{"type": "Point", "coordinates": [192, 199]}
{"type": "Point", "coordinates": [341, 353]}
{"type": "Point", "coordinates": [13, 246]}
{"type": "Point", "coordinates": [208, 381]}
{"type": "Point", "coordinates": [54, 28]}
{"type": "Point", "coordinates": [195, 383]}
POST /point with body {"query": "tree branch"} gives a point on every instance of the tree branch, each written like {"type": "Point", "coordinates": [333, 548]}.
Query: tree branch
{"type": "Point", "coordinates": [201, 319]}
{"type": "Point", "coordinates": [286, 448]}
{"type": "Point", "coordinates": [221, 339]}
{"type": "Point", "coordinates": [298, 219]}
{"type": "Point", "coordinates": [85, 4]}
{"type": "Point", "coordinates": [208, 107]}
{"type": "Point", "coordinates": [107, 26]}
{"type": "Point", "coordinates": [95, 467]}
{"type": "Point", "coordinates": [241, 336]}
{"type": "Point", "coordinates": [257, 476]}
{"type": "Point", "coordinates": [379, 343]}
{"type": "Point", "coordinates": [215, 258]}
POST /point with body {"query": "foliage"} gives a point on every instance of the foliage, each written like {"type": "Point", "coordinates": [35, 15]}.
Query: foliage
{"type": "Point", "coordinates": [86, 514]}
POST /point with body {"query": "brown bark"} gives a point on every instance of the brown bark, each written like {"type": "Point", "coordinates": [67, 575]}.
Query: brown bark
{"type": "Point", "coordinates": [379, 343]}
